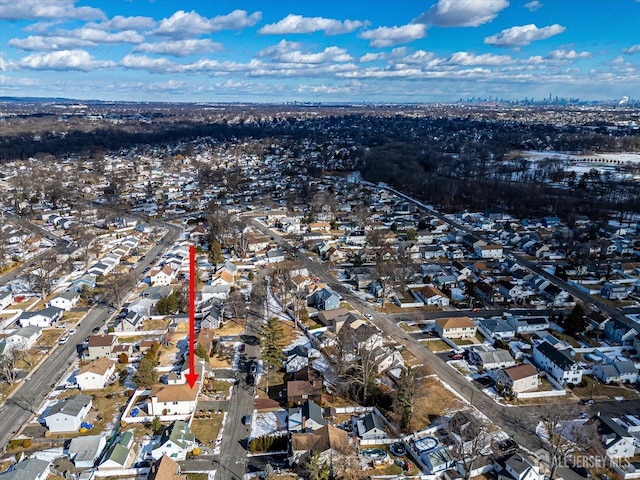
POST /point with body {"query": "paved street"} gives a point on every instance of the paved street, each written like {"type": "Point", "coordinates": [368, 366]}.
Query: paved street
{"type": "Point", "coordinates": [17, 408]}
{"type": "Point", "coordinates": [232, 462]}
{"type": "Point", "coordinates": [519, 422]}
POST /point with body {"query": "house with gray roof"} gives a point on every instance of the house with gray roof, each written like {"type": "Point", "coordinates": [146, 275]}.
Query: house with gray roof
{"type": "Point", "coordinates": [371, 427]}
{"type": "Point", "coordinates": [85, 451]}
{"type": "Point", "coordinates": [490, 358]}
{"type": "Point", "coordinates": [68, 414]}
{"type": "Point", "coordinates": [306, 418]}
{"type": "Point", "coordinates": [496, 328]}
{"type": "Point", "coordinates": [29, 469]}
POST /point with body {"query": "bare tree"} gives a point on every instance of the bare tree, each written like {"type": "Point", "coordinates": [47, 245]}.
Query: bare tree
{"type": "Point", "coordinates": [557, 432]}
{"type": "Point", "coordinates": [361, 376]}
{"type": "Point", "coordinates": [9, 365]}
{"type": "Point", "coordinates": [471, 438]}
{"type": "Point", "coordinates": [408, 388]}
{"type": "Point", "coordinates": [236, 305]}
{"type": "Point", "coordinates": [118, 288]}
{"type": "Point", "coordinates": [42, 277]}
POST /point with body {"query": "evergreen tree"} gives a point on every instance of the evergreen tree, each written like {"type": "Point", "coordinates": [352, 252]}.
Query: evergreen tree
{"type": "Point", "coordinates": [201, 351]}
{"type": "Point", "coordinates": [272, 343]}
{"type": "Point", "coordinates": [575, 322]}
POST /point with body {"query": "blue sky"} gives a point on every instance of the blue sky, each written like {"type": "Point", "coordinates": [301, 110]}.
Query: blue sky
{"type": "Point", "coordinates": [328, 51]}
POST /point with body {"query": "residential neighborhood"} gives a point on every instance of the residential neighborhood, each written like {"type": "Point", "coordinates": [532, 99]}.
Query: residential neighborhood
{"type": "Point", "coordinates": [337, 323]}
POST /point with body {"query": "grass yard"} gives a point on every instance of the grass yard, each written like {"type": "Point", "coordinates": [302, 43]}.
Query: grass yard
{"type": "Point", "coordinates": [206, 429]}
{"type": "Point", "coordinates": [234, 327]}
{"type": "Point", "coordinates": [434, 400]}
{"type": "Point", "coordinates": [408, 328]}
{"type": "Point", "coordinates": [197, 476]}
{"type": "Point", "coordinates": [601, 392]}
{"type": "Point", "coordinates": [156, 324]}
{"type": "Point", "coordinates": [50, 337]}
{"type": "Point", "coordinates": [436, 345]}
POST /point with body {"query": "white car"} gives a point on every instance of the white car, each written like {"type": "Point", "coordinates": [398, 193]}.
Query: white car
{"type": "Point", "coordinates": [72, 331]}
{"type": "Point", "coordinates": [368, 315]}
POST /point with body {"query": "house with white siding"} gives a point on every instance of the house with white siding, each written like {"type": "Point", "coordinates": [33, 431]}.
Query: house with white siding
{"type": "Point", "coordinates": [68, 414]}
{"type": "Point", "coordinates": [96, 375]}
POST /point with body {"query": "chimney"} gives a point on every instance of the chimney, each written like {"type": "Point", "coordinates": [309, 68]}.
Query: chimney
{"type": "Point", "coordinates": [304, 423]}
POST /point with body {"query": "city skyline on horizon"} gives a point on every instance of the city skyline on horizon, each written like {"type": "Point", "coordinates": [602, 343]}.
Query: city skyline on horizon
{"type": "Point", "coordinates": [284, 51]}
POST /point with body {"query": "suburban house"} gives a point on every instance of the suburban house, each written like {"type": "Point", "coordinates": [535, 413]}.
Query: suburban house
{"type": "Point", "coordinates": [489, 251]}
{"type": "Point", "coordinates": [68, 414]}
{"type": "Point", "coordinates": [29, 469]}
{"type": "Point", "coordinates": [172, 400]}
{"type": "Point", "coordinates": [85, 451]}
{"type": "Point", "coordinates": [176, 441]}
{"type": "Point", "coordinates": [299, 391]}
{"type": "Point", "coordinates": [614, 372]}
{"type": "Point", "coordinates": [325, 299]}
{"type": "Point", "coordinates": [557, 363]}
{"type": "Point", "coordinates": [41, 318]}
{"type": "Point", "coordinates": [306, 418]}
{"type": "Point", "coordinates": [100, 346]}
{"type": "Point", "coordinates": [132, 321]}
{"type": "Point", "coordinates": [325, 442]}
{"type": "Point", "coordinates": [207, 338]}
{"type": "Point", "coordinates": [620, 332]}
{"type": "Point", "coordinates": [65, 300]}
{"type": "Point", "coordinates": [370, 427]}
{"type": "Point", "coordinates": [490, 358]}
{"type": "Point", "coordinates": [161, 275]}
{"type": "Point", "coordinates": [120, 455]}
{"type": "Point", "coordinates": [432, 296]}
{"type": "Point", "coordinates": [23, 338]}
{"type": "Point", "coordinates": [496, 328]}
{"type": "Point", "coordinates": [165, 469]}
{"type": "Point", "coordinates": [519, 378]}
{"type": "Point", "coordinates": [456, 327]}
{"type": "Point", "coordinates": [528, 324]}
{"type": "Point", "coordinates": [617, 440]}
{"type": "Point", "coordinates": [518, 467]}
{"type": "Point", "coordinates": [95, 375]}
{"type": "Point", "coordinates": [6, 299]}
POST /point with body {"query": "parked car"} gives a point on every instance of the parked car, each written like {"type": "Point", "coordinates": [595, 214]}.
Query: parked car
{"type": "Point", "coordinates": [457, 356]}
{"type": "Point", "coordinates": [246, 420]}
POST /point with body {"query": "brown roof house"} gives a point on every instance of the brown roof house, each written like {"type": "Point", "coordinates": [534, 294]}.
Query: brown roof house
{"type": "Point", "coordinates": [521, 378]}
{"type": "Point", "coordinates": [100, 346]}
{"type": "Point", "coordinates": [456, 327]}
{"type": "Point", "coordinates": [326, 442]}
{"type": "Point", "coordinates": [96, 374]}
{"type": "Point", "coordinates": [299, 391]}
{"type": "Point", "coordinates": [172, 400]}
{"type": "Point", "coordinates": [165, 469]}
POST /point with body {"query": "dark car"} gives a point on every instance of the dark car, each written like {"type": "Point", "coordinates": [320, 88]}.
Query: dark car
{"type": "Point", "coordinates": [246, 420]}
{"type": "Point", "coordinates": [95, 330]}
{"type": "Point", "coordinates": [582, 471]}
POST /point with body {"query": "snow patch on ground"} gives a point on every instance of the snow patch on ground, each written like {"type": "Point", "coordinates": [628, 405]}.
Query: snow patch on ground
{"type": "Point", "coordinates": [268, 423]}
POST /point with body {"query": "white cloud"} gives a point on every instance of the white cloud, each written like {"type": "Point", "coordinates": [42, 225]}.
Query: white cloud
{"type": "Point", "coordinates": [299, 24]}
{"type": "Point", "coordinates": [521, 36]}
{"type": "Point", "coordinates": [100, 36]}
{"type": "Point", "coordinates": [387, 36]}
{"type": "Point", "coordinates": [142, 62]}
{"type": "Point", "coordinates": [632, 48]}
{"type": "Point", "coordinates": [64, 60]}
{"type": "Point", "coordinates": [533, 5]}
{"type": "Point", "coordinates": [288, 52]}
{"type": "Point", "coordinates": [567, 55]}
{"type": "Point", "coordinates": [120, 22]}
{"type": "Point", "coordinates": [191, 24]}
{"type": "Point", "coordinates": [462, 13]}
{"type": "Point", "coordinates": [6, 65]}
{"type": "Point", "coordinates": [486, 59]}
{"type": "Point", "coordinates": [180, 48]}
{"type": "Point", "coordinates": [31, 9]}
{"type": "Point", "coordinates": [372, 57]}
{"type": "Point", "coordinates": [41, 43]}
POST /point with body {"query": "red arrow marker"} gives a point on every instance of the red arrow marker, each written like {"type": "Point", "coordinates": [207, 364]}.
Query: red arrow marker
{"type": "Point", "coordinates": [192, 376]}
